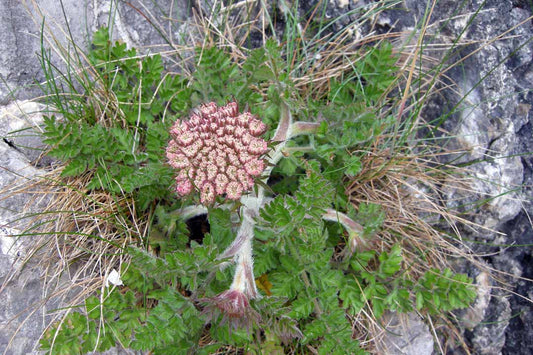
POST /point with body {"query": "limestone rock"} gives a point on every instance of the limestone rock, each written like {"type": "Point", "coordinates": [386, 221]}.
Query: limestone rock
{"type": "Point", "coordinates": [136, 23]}
{"type": "Point", "coordinates": [21, 293]}
{"type": "Point", "coordinates": [406, 334]}
{"type": "Point", "coordinates": [489, 338]}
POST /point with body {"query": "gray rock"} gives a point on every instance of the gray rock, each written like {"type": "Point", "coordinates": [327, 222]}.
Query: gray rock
{"type": "Point", "coordinates": [490, 114]}
{"type": "Point", "coordinates": [475, 314]}
{"type": "Point", "coordinates": [20, 145]}
{"type": "Point", "coordinates": [406, 334]}
{"type": "Point", "coordinates": [147, 25]}
{"type": "Point", "coordinates": [19, 62]}
{"type": "Point", "coordinates": [489, 338]}
{"type": "Point", "coordinates": [20, 129]}
{"type": "Point", "coordinates": [21, 318]}
{"type": "Point", "coordinates": [486, 122]}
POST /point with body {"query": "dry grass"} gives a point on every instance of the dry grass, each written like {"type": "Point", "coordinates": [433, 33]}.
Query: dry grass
{"type": "Point", "coordinates": [77, 239]}
{"type": "Point", "coordinates": [408, 188]}
{"type": "Point", "coordinates": [88, 230]}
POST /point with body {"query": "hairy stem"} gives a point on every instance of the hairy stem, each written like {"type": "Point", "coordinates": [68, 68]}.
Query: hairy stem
{"type": "Point", "coordinates": [241, 248]}
{"type": "Point", "coordinates": [301, 128]}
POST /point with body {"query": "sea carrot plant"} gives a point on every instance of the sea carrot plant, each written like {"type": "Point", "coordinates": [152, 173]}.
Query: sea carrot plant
{"type": "Point", "coordinates": [244, 181]}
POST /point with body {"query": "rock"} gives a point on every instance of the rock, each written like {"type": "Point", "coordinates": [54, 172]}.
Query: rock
{"type": "Point", "coordinates": [16, 50]}
{"type": "Point", "coordinates": [19, 123]}
{"type": "Point", "coordinates": [473, 315]}
{"type": "Point", "coordinates": [485, 122]}
{"type": "Point", "coordinates": [489, 338]}
{"type": "Point", "coordinates": [21, 292]}
{"type": "Point", "coordinates": [490, 115]}
{"type": "Point", "coordinates": [20, 327]}
{"type": "Point", "coordinates": [405, 334]}
{"type": "Point", "coordinates": [19, 62]}
{"type": "Point", "coordinates": [12, 250]}
{"type": "Point", "coordinates": [146, 25]}
{"type": "Point", "coordinates": [517, 262]}
{"type": "Point", "coordinates": [20, 127]}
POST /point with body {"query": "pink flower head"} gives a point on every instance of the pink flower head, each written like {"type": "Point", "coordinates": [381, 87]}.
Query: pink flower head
{"type": "Point", "coordinates": [255, 167]}
{"type": "Point", "coordinates": [183, 188]}
{"type": "Point", "coordinates": [218, 150]}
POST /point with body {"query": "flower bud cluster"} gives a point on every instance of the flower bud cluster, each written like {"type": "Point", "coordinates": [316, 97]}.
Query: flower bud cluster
{"type": "Point", "coordinates": [218, 151]}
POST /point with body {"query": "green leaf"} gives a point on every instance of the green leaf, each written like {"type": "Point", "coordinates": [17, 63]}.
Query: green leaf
{"type": "Point", "coordinates": [351, 295]}
{"type": "Point", "coordinates": [390, 263]}
{"type": "Point", "coordinates": [74, 168]}
{"type": "Point", "coordinates": [353, 166]}
{"type": "Point", "coordinates": [221, 226]}
{"type": "Point", "coordinates": [301, 307]}
{"type": "Point", "coordinates": [92, 304]}
{"type": "Point", "coordinates": [419, 300]}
